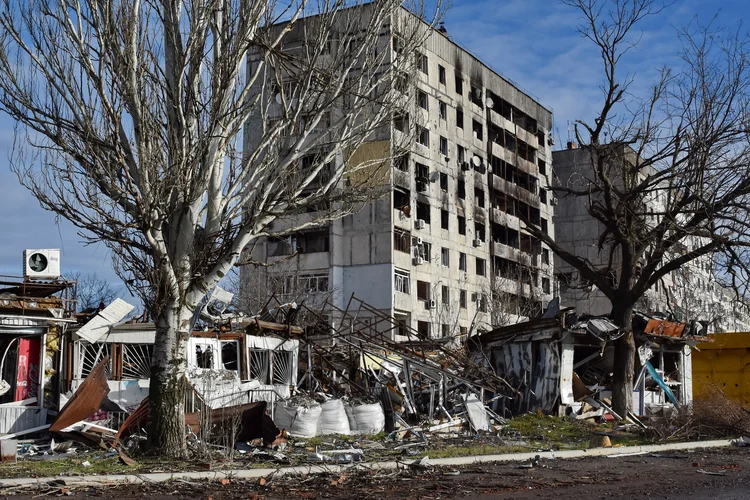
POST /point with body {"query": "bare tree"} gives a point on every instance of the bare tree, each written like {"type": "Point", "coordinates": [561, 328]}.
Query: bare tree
{"type": "Point", "coordinates": [135, 112]}
{"type": "Point", "coordinates": [666, 176]}
{"type": "Point", "coordinates": [90, 291]}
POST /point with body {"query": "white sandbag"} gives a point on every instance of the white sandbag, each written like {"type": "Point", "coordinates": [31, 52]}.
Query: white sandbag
{"type": "Point", "coordinates": [299, 421]}
{"type": "Point", "coordinates": [366, 419]}
{"type": "Point", "coordinates": [306, 422]}
{"type": "Point", "coordinates": [333, 418]}
{"type": "Point", "coordinates": [283, 415]}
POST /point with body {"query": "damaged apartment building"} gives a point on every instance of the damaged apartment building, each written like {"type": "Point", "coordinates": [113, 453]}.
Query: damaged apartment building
{"type": "Point", "coordinates": [444, 251]}
{"type": "Point", "coordinates": [689, 293]}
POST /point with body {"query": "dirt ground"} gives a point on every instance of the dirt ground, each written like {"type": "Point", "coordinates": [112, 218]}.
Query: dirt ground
{"type": "Point", "coordinates": [702, 474]}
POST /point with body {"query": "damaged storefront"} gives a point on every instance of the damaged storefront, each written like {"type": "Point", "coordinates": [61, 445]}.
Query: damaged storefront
{"type": "Point", "coordinates": [564, 364]}
{"type": "Point", "coordinates": [33, 316]}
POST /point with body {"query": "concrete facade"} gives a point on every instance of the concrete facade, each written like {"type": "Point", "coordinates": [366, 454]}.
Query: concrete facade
{"type": "Point", "coordinates": [690, 293]}
{"type": "Point", "coordinates": [443, 250]}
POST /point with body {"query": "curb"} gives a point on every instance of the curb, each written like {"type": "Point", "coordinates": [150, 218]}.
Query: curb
{"type": "Point", "coordinates": [318, 469]}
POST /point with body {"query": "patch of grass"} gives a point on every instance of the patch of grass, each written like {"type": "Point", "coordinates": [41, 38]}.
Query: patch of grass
{"type": "Point", "coordinates": [467, 451]}
{"type": "Point", "coordinates": [67, 466]}
{"type": "Point", "coordinates": [548, 428]}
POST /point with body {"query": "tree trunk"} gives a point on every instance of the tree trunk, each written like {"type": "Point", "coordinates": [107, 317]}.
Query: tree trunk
{"type": "Point", "coordinates": [166, 431]}
{"type": "Point", "coordinates": [622, 383]}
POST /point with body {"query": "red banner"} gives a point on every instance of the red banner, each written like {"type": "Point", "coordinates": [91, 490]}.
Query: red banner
{"type": "Point", "coordinates": [29, 367]}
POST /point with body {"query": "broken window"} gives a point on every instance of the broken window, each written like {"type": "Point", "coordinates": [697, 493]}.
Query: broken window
{"type": "Point", "coordinates": [423, 250]}
{"type": "Point", "coordinates": [545, 256]}
{"type": "Point", "coordinates": [444, 181]}
{"type": "Point", "coordinates": [545, 285]}
{"type": "Point", "coordinates": [443, 109]}
{"type": "Point", "coordinates": [422, 100]}
{"type": "Point", "coordinates": [423, 212]}
{"type": "Point", "coordinates": [477, 129]}
{"type": "Point", "coordinates": [401, 241]}
{"type": "Point", "coordinates": [479, 231]}
{"type": "Point", "coordinates": [462, 261]}
{"type": "Point", "coordinates": [312, 283]}
{"type": "Point", "coordinates": [459, 84]}
{"type": "Point", "coordinates": [544, 225]}
{"type": "Point", "coordinates": [459, 118]}
{"type": "Point", "coordinates": [461, 189]}
{"type": "Point", "coordinates": [443, 146]}
{"type": "Point", "coordinates": [421, 172]}
{"type": "Point", "coordinates": [422, 63]}
{"type": "Point", "coordinates": [313, 241]}
{"type": "Point", "coordinates": [401, 122]}
{"type": "Point", "coordinates": [280, 284]}
{"type": "Point", "coordinates": [276, 247]}
{"type": "Point", "coordinates": [230, 355]}
{"type": "Point", "coordinates": [204, 356]}
{"type": "Point", "coordinates": [423, 329]}
{"type": "Point", "coordinates": [424, 137]}
{"type": "Point", "coordinates": [542, 167]}
{"type": "Point", "coordinates": [445, 330]}
{"type": "Point", "coordinates": [475, 96]}
{"type": "Point", "coordinates": [401, 281]}
{"type": "Point", "coordinates": [445, 256]}
{"type": "Point", "coordinates": [543, 196]}
{"type": "Point", "coordinates": [401, 199]}
{"type": "Point", "coordinates": [444, 216]}
{"type": "Point", "coordinates": [441, 74]}
{"type": "Point", "coordinates": [461, 225]}
{"type": "Point", "coordinates": [423, 290]}
{"type": "Point", "coordinates": [479, 197]}
{"type": "Point", "coordinates": [481, 267]}
{"type": "Point", "coordinates": [483, 303]}
{"type": "Point", "coordinates": [401, 162]}
{"type": "Point", "coordinates": [462, 299]}
{"type": "Point", "coordinates": [445, 295]}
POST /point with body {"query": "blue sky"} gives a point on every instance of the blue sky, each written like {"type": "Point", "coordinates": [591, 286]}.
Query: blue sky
{"type": "Point", "coordinates": [534, 43]}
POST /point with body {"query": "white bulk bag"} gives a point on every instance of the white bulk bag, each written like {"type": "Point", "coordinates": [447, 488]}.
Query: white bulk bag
{"type": "Point", "coordinates": [333, 418]}
{"type": "Point", "coordinates": [299, 421]}
{"type": "Point", "coordinates": [366, 418]}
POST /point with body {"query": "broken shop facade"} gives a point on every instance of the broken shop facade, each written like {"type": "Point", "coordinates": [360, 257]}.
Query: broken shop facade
{"type": "Point", "coordinates": [563, 363]}
{"type": "Point", "coordinates": [226, 366]}
{"type": "Point", "coordinates": [33, 316]}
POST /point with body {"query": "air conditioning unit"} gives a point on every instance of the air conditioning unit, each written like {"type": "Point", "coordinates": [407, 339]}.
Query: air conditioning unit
{"type": "Point", "coordinates": [554, 201]}
{"type": "Point", "coordinates": [478, 93]}
{"type": "Point", "coordinates": [420, 224]}
{"type": "Point", "coordinates": [551, 140]}
{"type": "Point", "coordinates": [418, 261]}
{"type": "Point", "coordinates": [419, 240]}
{"type": "Point", "coordinates": [465, 166]}
{"type": "Point", "coordinates": [41, 264]}
{"type": "Point", "coordinates": [478, 242]}
{"type": "Point", "coordinates": [430, 304]}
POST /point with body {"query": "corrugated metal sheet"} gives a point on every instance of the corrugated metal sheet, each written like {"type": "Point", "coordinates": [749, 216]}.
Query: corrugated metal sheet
{"type": "Point", "coordinates": [723, 364]}
{"type": "Point", "coordinates": [534, 369]}
{"type": "Point", "coordinates": [20, 418]}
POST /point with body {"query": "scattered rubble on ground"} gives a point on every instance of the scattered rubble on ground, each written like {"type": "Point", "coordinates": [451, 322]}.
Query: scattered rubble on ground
{"type": "Point", "coordinates": [264, 392]}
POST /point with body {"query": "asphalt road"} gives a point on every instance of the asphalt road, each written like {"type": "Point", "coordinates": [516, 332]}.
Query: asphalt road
{"type": "Point", "coordinates": [702, 474]}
